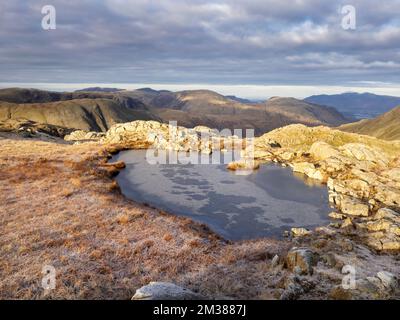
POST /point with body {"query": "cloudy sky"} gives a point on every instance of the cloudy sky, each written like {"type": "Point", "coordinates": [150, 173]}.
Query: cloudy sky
{"type": "Point", "coordinates": [252, 48]}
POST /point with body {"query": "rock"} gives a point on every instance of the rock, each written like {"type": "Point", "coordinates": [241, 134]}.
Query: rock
{"type": "Point", "coordinates": [322, 151]}
{"type": "Point", "coordinates": [380, 225]}
{"type": "Point", "coordinates": [333, 165]}
{"type": "Point", "coordinates": [362, 152]}
{"type": "Point", "coordinates": [275, 261]}
{"type": "Point", "coordinates": [325, 230]}
{"type": "Point", "coordinates": [386, 213]}
{"type": "Point", "coordinates": [80, 135]}
{"type": "Point", "coordinates": [302, 259]}
{"type": "Point", "coordinates": [287, 155]}
{"type": "Point", "coordinates": [368, 288]}
{"type": "Point", "coordinates": [353, 207]}
{"type": "Point", "coordinates": [164, 291]}
{"type": "Point", "coordinates": [393, 174]}
{"type": "Point", "coordinates": [337, 216]}
{"type": "Point", "coordinates": [292, 292]}
{"type": "Point", "coordinates": [295, 287]}
{"type": "Point", "coordinates": [388, 280]}
{"type": "Point", "coordinates": [309, 170]}
{"type": "Point", "coordinates": [390, 244]}
{"type": "Point", "coordinates": [387, 221]}
{"type": "Point", "coordinates": [300, 232]}
{"type": "Point", "coordinates": [361, 187]}
{"type": "Point", "coordinates": [303, 167]}
{"type": "Point", "coordinates": [259, 154]}
{"type": "Point", "coordinates": [388, 195]}
{"type": "Point", "coordinates": [246, 164]}
{"type": "Point", "coordinates": [204, 129]}
{"type": "Point", "coordinates": [347, 223]}
{"type": "Point", "coordinates": [369, 177]}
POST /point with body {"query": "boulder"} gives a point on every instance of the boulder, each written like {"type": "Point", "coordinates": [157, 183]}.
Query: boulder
{"type": "Point", "coordinates": [363, 152]}
{"type": "Point", "coordinates": [388, 214]}
{"type": "Point", "coordinates": [347, 223]}
{"type": "Point", "coordinates": [164, 291]}
{"type": "Point", "coordinates": [353, 207]}
{"type": "Point", "coordinates": [309, 170]}
{"type": "Point", "coordinates": [301, 260]}
{"type": "Point", "coordinates": [246, 164]}
{"type": "Point", "coordinates": [333, 165]}
{"type": "Point", "coordinates": [321, 151]}
{"type": "Point", "coordinates": [337, 216]}
{"type": "Point", "coordinates": [388, 280]}
{"type": "Point", "coordinates": [275, 261]}
{"type": "Point", "coordinates": [300, 232]}
{"type": "Point", "coordinates": [388, 195]}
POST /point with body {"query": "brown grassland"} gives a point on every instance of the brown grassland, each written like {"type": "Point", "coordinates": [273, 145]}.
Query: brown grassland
{"type": "Point", "coordinates": [60, 206]}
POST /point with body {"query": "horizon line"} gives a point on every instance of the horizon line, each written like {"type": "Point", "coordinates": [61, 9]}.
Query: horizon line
{"type": "Point", "coordinates": [246, 91]}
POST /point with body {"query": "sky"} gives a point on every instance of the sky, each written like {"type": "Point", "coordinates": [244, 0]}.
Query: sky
{"type": "Point", "coordinates": [250, 48]}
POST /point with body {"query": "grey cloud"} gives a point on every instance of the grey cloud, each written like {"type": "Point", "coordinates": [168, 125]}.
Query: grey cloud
{"type": "Point", "coordinates": [178, 41]}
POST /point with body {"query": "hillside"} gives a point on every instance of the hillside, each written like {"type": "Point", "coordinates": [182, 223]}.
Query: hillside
{"type": "Point", "coordinates": [386, 126]}
{"type": "Point", "coordinates": [357, 105]}
{"type": "Point", "coordinates": [84, 114]}
{"type": "Point", "coordinates": [190, 108]}
{"type": "Point", "coordinates": [20, 95]}
{"type": "Point", "coordinates": [204, 107]}
{"type": "Point", "coordinates": [307, 113]}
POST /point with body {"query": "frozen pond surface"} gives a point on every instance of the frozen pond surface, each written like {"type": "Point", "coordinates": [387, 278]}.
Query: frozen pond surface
{"type": "Point", "coordinates": [261, 204]}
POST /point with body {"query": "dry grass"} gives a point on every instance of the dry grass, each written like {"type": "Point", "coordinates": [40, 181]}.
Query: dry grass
{"type": "Point", "coordinates": [59, 206]}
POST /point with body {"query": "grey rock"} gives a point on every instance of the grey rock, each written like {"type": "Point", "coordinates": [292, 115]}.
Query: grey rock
{"type": "Point", "coordinates": [302, 260]}
{"type": "Point", "coordinates": [388, 280]}
{"type": "Point", "coordinates": [275, 261]}
{"type": "Point", "coordinates": [165, 291]}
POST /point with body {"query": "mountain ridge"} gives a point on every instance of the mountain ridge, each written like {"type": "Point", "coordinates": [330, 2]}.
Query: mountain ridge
{"type": "Point", "coordinates": [189, 108]}
{"type": "Point", "coordinates": [358, 105]}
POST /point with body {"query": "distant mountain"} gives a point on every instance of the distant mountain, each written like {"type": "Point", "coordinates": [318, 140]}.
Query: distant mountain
{"type": "Point", "coordinates": [304, 111]}
{"type": "Point", "coordinates": [20, 95]}
{"type": "Point", "coordinates": [99, 89]}
{"type": "Point", "coordinates": [97, 110]}
{"type": "Point", "coordinates": [386, 126]}
{"type": "Point", "coordinates": [357, 105]}
{"type": "Point", "coordinates": [241, 100]}
{"type": "Point", "coordinates": [209, 108]}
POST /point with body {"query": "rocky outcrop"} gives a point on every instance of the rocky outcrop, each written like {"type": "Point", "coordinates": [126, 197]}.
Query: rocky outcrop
{"type": "Point", "coordinates": [165, 291]}
{"type": "Point", "coordinates": [361, 173]}
{"type": "Point", "coordinates": [80, 135]}
{"type": "Point", "coordinates": [300, 232]}
{"type": "Point", "coordinates": [163, 136]}
{"type": "Point", "coordinates": [31, 129]}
